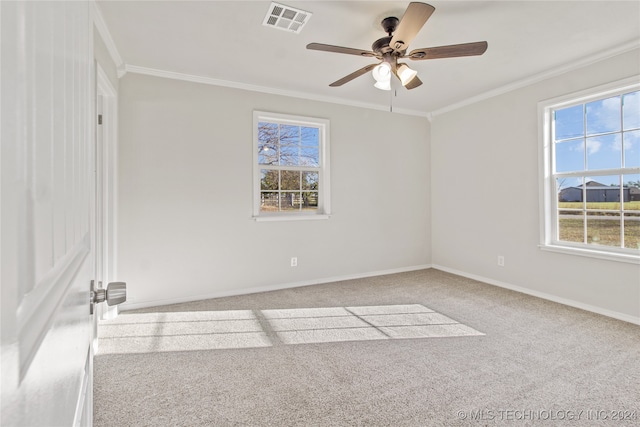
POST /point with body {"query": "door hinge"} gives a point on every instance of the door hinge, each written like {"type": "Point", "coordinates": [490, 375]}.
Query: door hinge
{"type": "Point", "coordinates": [99, 119]}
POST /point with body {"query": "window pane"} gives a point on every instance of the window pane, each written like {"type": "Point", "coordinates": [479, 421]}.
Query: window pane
{"type": "Point", "coordinates": [267, 133]}
{"type": "Point", "coordinates": [289, 155]}
{"type": "Point", "coordinates": [569, 193]}
{"type": "Point", "coordinates": [571, 226]}
{"type": "Point", "coordinates": [631, 144]}
{"type": "Point", "coordinates": [309, 156]}
{"type": "Point", "coordinates": [268, 180]}
{"type": "Point", "coordinates": [603, 116]}
{"type": "Point", "coordinates": [290, 180]}
{"type": "Point", "coordinates": [310, 180]}
{"type": "Point", "coordinates": [269, 202]}
{"type": "Point", "coordinates": [603, 229]}
{"type": "Point", "coordinates": [570, 156]}
{"type": "Point", "coordinates": [267, 143]}
{"type": "Point", "coordinates": [631, 110]}
{"type": "Point", "coordinates": [310, 137]}
{"type": "Point", "coordinates": [290, 164]}
{"type": "Point", "coordinates": [569, 122]}
{"type": "Point", "coordinates": [595, 143]}
{"type": "Point", "coordinates": [604, 152]}
{"type": "Point", "coordinates": [631, 189]}
{"type": "Point", "coordinates": [289, 135]}
{"type": "Point", "coordinates": [632, 230]}
{"type": "Point", "coordinates": [606, 180]}
{"type": "Point", "coordinates": [291, 201]}
{"type": "Point", "coordinates": [267, 154]}
{"type": "Point", "coordinates": [310, 200]}
{"type": "Point", "coordinates": [604, 193]}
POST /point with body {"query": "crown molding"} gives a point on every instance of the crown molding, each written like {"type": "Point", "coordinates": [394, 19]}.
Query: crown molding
{"type": "Point", "coordinates": [103, 30]}
{"type": "Point", "coordinates": [536, 78]}
{"type": "Point", "coordinates": [121, 70]}
{"type": "Point", "coordinates": [254, 88]}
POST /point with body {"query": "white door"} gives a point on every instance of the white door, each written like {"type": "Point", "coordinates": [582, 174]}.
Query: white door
{"type": "Point", "coordinates": [47, 192]}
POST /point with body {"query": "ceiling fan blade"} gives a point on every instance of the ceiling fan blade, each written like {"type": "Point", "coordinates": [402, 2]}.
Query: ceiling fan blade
{"type": "Point", "coordinates": [340, 49]}
{"type": "Point", "coordinates": [412, 21]}
{"type": "Point", "coordinates": [450, 51]}
{"type": "Point", "coordinates": [353, 75]}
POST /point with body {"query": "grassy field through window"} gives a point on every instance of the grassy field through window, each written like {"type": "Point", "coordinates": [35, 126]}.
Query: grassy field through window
{"type": "Point", "coordinates": [603, 228]}
{"type": "Point", "coordinates": [614, 206]}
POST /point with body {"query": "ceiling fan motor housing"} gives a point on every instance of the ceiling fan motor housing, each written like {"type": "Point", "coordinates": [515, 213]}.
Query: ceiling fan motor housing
{"type": "Point", "coordinates": [390, 24]}
{"type": "Point", "coordinates": [381, 46]}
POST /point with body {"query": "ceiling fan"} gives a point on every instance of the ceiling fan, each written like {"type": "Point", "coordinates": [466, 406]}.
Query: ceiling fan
{"type": "Point", "coordinates": [392, 48]}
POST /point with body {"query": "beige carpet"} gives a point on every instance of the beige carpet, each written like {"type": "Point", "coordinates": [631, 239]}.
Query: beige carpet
{"type": "Point", "coordinates": [423, 348]}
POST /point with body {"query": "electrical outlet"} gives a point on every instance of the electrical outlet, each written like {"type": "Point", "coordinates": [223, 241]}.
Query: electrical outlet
{"type": "Point", "coordinates": [501, 260]}
{"type": "Point", "coordinates": [294, 261]}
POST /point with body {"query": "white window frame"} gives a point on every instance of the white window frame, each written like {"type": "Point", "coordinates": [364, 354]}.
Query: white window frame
{"type": "Point", "coordinates": [548, 192]}
{"type": "Point", "coordinates": [324, 197]}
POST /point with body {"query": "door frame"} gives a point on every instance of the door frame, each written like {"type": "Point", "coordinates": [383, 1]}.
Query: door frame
{"type": "Point", "coordinates": [107, 186]}
{"type": "Point", "coordinates": [103, 222]}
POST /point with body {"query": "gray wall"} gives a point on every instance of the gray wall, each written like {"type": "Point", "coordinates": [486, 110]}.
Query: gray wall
{"type": "Point", "coordinates": [492, 146]}
{"type": "Point", "coordinates": [186, 231]}
{"type": "Point", "coordinates": [185, 194]}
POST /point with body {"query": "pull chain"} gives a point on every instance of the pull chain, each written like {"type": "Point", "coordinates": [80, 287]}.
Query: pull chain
{"type": "Point", "coordinates": [393, 93]}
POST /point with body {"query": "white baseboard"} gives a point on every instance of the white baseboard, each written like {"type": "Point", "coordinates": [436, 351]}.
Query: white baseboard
{"type": "Point", "coordinates": [572, 303]}
{"type": "Point", "coordinates": [267, 288]}
{"type": "Point", "coordinates": [235, 292]}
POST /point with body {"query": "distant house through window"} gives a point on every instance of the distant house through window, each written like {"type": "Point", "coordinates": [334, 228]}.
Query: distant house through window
{"type": "Point", "coordinates": [291, 167]}
{"type": "Point", "coordinates": [591, 172]}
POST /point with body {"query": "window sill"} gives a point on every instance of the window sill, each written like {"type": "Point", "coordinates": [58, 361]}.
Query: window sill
{"type": "Point", "coordinates": [610, 256]}
{"type": "Point", "coordinates": [268, 218]}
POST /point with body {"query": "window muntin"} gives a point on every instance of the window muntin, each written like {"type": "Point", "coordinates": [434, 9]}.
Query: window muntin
{"type": "Point", "coordinates": [290, 166]}
{"type": "Point", "coordinates": [591, 150]}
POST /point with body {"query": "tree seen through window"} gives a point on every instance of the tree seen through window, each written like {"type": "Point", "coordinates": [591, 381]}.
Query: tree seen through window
{"type": "Point", "coordinates": [289, 160]}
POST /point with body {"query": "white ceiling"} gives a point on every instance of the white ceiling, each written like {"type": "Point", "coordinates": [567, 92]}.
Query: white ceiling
{"type": "Point", "coordinates": [226, 41]}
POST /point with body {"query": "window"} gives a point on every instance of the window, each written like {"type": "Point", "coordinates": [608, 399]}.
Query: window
{"type": "Point", "coordinates": [291, 167]}
{"type": "Point", "coordinates": [591, 172]}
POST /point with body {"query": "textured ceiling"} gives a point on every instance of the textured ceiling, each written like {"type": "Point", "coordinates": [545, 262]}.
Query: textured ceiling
{"type": "Point", "coordinates": [225, 40]}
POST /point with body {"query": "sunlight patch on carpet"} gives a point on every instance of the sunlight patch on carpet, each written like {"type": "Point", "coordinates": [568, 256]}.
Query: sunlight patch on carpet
{"type": "Point", "coordinates": [235, 329]}
{"type": "Point", "coordinates": [318, 325]}
{"type": "Point", "coordinates": [181, 331]}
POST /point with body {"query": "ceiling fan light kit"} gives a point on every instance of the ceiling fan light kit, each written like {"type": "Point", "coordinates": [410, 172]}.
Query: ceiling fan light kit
{"type": "Point", "coordinates": [386, 85]}
{"type": "Point", "coordinates": [390, 49]}
{"type": "Point", "coordinates": [382, 75]}
{"type": "Point", "coordinates": [406, 74]}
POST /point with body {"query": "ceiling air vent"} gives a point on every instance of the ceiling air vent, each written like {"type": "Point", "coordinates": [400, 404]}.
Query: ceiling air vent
{"type": "Point", "coordinates": [286, 18]}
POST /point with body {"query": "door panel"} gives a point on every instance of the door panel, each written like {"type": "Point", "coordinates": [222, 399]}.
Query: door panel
{"type": "Point", "coordinates": [46, 217]}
